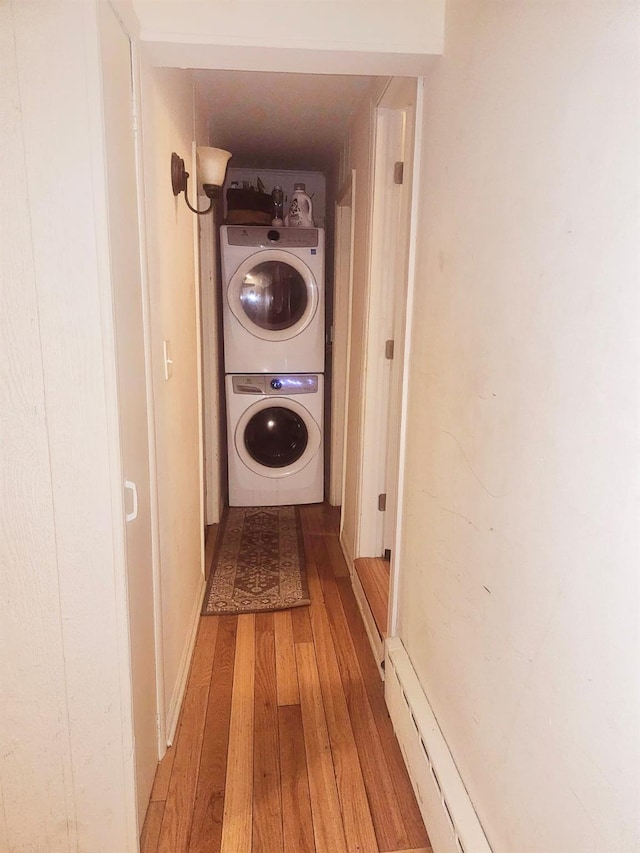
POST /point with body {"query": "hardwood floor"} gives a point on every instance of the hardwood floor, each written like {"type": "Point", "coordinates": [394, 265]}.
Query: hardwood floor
{"type": "Point", "coordinates": [374, 577]}
{"type": "Point", "coordinates": [284, 743]}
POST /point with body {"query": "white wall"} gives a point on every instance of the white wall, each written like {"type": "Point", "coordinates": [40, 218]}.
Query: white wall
{"type": "Point", "coordinates": [67, 741]}
{"type": "Point", "coordinates": [169, 125]}
{"type": "Point", "coordinates": [520, 596]}
{"type": "Point", "coordinates": [339, 37]}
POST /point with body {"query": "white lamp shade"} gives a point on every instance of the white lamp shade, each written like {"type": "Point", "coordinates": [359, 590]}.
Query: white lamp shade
{"type": "Point", "coordinates": [212, 165]}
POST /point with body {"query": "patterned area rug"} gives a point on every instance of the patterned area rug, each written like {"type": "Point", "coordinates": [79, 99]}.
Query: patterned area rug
{"type": "Point", "coordinates": [259, 563]}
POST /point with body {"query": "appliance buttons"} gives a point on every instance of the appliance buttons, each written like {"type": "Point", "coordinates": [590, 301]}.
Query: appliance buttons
{"type": "Point", "coordinates": [276, 384]}
{"type": "Point", "coordinates": [273, 236]}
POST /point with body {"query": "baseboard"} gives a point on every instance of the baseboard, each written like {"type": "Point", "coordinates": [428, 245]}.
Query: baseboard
{"type": "Point", "coordinates": [173, 711]}
{"type": "Point", "coordinates": [446, 808]}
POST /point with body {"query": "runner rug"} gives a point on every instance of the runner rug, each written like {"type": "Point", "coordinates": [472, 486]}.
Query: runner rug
{"type": "Point", "coordinates": [259, 562]}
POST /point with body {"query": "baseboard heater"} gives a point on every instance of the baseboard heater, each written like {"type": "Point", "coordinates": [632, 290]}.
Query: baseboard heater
{"type": "Point", "coordinates": [446, 808]}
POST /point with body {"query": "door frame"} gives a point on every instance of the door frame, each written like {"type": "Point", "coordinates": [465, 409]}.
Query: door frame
{"type": "Point", "coordinates": [399, 95]}
{"type": "Point", "coordinates": [209, 325]}
{"type": "Point", "coordinates": [341, 335]}
{"type": "Point", "coordinates": [412, 278]}
{"type": "Point", "coordinates": [386, 321]}
{"type": "Point", "coordinates": [153, 469]}
{"type": "Point", "coordinates": [383, 292]}
{"type": "Point", "coordinates": [377, 401]}
{"type": "Point", "coordinates": [130, 24]}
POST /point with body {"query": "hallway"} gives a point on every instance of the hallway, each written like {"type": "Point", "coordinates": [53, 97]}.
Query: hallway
{"type": "Point", "coordinates": [284, 743]}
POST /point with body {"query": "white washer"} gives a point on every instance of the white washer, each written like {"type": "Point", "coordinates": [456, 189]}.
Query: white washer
{"type": "Point", "coordinates": [274, 428]}
{"type": "Point", "coordinates": [273, 299]}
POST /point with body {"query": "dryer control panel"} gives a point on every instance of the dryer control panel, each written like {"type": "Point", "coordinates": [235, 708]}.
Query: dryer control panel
{"type": "Point", "coordinates": [278, 384]}
{"type": "Point", "coordinates": [264, 235]}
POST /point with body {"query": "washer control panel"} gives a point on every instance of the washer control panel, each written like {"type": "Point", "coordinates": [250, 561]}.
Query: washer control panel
{"type": "Point", "coordinates": [281, 384]}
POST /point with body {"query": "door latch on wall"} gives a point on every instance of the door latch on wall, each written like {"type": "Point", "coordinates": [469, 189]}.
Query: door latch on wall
{"type": "Point", "coordinates": [131, 487]}
{"type": "Point", "coordinates": [388, 349]}
{"type": "Point", "coordinates": [168, 361]}
{"type": "Point", "coordinates": [382, 503]}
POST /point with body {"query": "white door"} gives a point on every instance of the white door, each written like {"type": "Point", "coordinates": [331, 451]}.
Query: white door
{"type": "Point", "coordinates": [381, 419]}
{"type": "Point", "coordinates": [405, 111]}
{"type": "Point", "coordinates": [132, 389]}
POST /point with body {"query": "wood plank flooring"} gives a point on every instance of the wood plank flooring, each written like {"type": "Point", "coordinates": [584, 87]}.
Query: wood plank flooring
{"type": "Point", "coordinates": [284, 743]}
{"type": "Point", "coordinates": [374, 577]}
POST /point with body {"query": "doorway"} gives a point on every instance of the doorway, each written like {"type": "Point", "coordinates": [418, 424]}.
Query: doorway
{"type": "Point", "coordinates": [375, 567]}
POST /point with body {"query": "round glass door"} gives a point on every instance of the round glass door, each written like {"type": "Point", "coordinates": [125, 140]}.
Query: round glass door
{"type": "Point", "coordinates": [276, 437]}
{"type": "Point", "coordinates": [273, 294]}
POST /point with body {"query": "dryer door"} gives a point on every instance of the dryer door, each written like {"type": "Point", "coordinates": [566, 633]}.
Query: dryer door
{"type": "Point", "coordinates": [274, 295]}
{"type": "Point", "coordinates": [277, 437]}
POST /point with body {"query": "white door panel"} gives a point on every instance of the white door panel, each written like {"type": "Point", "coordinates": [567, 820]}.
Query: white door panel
{"type": "Point", "coordinates": [386, 321]}
{"type": "Point", "coordinates": [132, 395]}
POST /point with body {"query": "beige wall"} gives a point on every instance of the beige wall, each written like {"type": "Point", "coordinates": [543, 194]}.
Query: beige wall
{"type": "Point", "coordinates": [345, 37]}
{"type": "Point", "coordinates": [67, 741]}
{"type": "Point", "coordinates": [520, 587]}
{"type": "Point", "coordinates": [169, 125]}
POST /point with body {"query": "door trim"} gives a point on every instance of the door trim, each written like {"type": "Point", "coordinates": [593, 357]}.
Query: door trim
{"type": "Point", "coordinates": [397, 555]}
{"type": "Point", "coordinates": [129, 24]}
{"type": "Point", "coordinates": [209, 326]}
{"type": "Point", "coordinates": [387, 202]}
{"type": "Point", "coordinates": [341, 338]}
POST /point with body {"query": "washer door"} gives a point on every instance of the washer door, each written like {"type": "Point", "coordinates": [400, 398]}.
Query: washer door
{"type": "Point", "coordinates": [274, 295]}
{"type": "Point", "coordinates": [276, 437]}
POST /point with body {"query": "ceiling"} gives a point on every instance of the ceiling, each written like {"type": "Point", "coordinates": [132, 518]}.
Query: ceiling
{"type": "Point", "coordinates": [274, 120]}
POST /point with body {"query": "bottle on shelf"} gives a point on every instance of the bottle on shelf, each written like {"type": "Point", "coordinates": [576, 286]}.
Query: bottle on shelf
{"type": "Point", "coordinates": [301, 209]}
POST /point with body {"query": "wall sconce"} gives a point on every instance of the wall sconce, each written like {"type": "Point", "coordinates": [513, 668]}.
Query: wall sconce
{"type": "Point", "coordinates": [212, 165]}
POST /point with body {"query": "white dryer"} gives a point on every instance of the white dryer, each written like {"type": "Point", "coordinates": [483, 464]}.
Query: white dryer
{"type": "Point", "coordinates": [274, 428]}
{"type": "Point", "coordinates": [273, 299]}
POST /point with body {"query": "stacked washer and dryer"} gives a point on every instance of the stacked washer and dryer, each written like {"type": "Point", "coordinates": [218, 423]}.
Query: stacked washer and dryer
{"type": "Point", "coordinates": [273, 319]}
